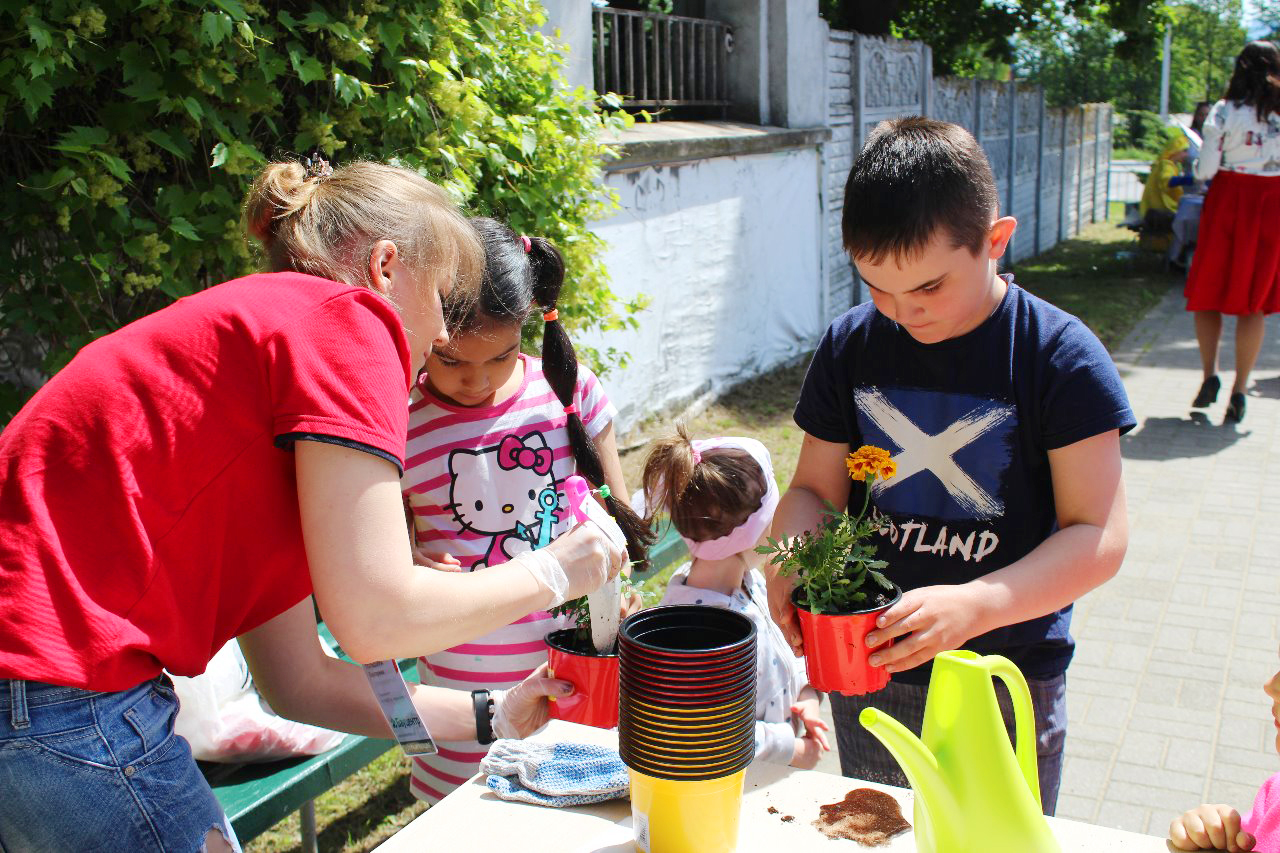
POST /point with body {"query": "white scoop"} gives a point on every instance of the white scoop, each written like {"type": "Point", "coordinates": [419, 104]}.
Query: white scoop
{"type": "Point", "coordinates": [605, 602]}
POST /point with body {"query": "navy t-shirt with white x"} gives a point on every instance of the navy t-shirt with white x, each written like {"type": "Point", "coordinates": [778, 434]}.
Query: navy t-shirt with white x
{"type": "Point", "coordinates": [969, 422]}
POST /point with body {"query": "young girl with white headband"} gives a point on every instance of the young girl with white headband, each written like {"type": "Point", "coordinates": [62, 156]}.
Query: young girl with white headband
{"type": "Point", "coordinates": [493, 434]}
{"type": "Point", "coordinates": [721, 495]}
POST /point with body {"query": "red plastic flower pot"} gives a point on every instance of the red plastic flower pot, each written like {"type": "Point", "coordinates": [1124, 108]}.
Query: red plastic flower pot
{"type": "Point", "coordinates": [594, 701]}
{"type": "Point", "coordinates": [836, 653]}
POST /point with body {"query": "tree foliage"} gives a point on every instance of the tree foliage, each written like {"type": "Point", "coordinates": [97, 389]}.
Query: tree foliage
{"type": "Point", "coordinates": [1079, 62]}
{"type": "Point", "coordinates": [132, 129]}
{"type": "Point", "coordinates": [973, 37]}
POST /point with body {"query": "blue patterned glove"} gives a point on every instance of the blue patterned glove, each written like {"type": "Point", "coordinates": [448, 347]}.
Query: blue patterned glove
{"type": "Point", "coordinates": [560, 774]}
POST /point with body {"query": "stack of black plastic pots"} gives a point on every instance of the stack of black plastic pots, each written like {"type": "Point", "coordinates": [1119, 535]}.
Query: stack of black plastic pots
{"type": "Point", "coordinates": [686, 723]}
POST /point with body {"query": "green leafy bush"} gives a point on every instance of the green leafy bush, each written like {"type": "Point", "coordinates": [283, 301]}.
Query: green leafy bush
{"type": "Point", "coordinates": [1142, 131]}
{"type": "Point", "coordinates": [131, 130]}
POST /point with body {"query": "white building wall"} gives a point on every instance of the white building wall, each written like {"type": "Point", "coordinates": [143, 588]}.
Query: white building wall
{"type": "Point", "coordinates": [726, 251]}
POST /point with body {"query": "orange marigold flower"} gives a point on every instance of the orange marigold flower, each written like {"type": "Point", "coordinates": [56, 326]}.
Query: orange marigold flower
{"type": "Point", "coordinates": [857, 466]}
{"type": "Point", "coordinates": [874, 456]}
{"type": "Point", "coordinates": [870, 460]}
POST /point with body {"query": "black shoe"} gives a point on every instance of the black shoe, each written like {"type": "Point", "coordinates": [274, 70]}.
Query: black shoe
{"type": "Point", "coordinates": [1235, 409]}
{"type": "Point", "coordinates": [1208, 393]}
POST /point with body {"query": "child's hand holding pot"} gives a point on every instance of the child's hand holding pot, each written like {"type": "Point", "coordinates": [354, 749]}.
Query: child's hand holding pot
{"type": "Point", "coordinates": [937, 618]}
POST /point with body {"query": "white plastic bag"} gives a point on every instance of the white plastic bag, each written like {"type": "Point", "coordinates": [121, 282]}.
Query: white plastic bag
{"type": "Point", "coordinates": [224, 719]}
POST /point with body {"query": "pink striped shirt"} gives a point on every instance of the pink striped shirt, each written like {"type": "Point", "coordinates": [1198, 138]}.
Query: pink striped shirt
{"type": "Point", "coordinates": [476, 479]}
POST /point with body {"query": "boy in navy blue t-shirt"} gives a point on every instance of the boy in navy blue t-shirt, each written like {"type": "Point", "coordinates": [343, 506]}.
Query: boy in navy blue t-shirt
{"type": "Point", "coordinates": [1003, 414]}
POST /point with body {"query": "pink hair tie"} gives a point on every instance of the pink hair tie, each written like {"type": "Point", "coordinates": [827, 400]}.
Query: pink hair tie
{"type": "Point", "coordinates": [528, 244]}
{"type": "Point", "coordinates": [697, 455]}
{"type": "Point", "coordinates": [571, 409]}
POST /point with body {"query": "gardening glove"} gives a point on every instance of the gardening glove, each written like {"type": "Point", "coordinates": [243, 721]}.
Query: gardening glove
{"type": "Point", "coordinates": [554, 774]}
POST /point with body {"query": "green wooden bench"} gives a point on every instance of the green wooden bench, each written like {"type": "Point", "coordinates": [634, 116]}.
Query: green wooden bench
{"type": "Point", "coordinates": [257, 796]}
{"type": "Point", "coordinates": [668, 551]}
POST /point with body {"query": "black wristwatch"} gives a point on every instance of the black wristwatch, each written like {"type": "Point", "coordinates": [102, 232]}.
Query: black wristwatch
{"type": "Point", "coordinates": [482, 702]}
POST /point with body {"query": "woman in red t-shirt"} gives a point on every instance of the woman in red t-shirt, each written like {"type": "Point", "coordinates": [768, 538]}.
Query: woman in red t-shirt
{"type": "Point", "coordinates": [199, 474]}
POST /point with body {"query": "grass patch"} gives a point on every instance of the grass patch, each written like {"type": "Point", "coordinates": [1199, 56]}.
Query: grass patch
{"type": "Point", "coordinates": [356, 816]}
{"type": "Point", "coordinates": [1100, 276]}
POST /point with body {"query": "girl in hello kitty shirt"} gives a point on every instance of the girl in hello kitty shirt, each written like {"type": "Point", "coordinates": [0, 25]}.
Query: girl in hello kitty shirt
{"type": "Point", "coordinates": [493, 434]}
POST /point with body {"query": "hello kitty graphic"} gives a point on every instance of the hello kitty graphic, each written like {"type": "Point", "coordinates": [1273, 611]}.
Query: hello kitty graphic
{"type": "Point", "coordinates": [506, 491]}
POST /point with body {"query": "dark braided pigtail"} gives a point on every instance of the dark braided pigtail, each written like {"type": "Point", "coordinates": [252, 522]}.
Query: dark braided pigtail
{"type": "Point", "coordinates": [560, 367]}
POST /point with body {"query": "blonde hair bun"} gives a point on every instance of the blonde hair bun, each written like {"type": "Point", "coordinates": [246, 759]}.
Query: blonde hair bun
{"type": "Point", "coordinates": [280, 190]}
{"type": "Point", "coordinates": [327, 224]}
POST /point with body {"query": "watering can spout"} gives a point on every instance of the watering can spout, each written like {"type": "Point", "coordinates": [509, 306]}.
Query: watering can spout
{"type": "Point", "coordinates": [931, 789]}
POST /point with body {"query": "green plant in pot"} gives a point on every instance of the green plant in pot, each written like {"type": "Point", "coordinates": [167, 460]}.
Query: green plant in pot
{"type": "Point", "coordinates": [839, 586]}
{"type": "Point", "coordinates": [571, 656]}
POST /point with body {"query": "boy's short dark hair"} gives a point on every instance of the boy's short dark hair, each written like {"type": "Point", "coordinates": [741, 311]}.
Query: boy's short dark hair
{"type": "Point", "coordinates": [914, 176]}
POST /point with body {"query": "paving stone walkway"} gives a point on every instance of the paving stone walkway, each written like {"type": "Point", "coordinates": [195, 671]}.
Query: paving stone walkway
{"type": "Point", "coordinates": [1165, 700]}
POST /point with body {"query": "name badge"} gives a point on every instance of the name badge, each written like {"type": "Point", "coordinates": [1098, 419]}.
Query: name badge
{"type": "Point", "coordinates": [392, 693]}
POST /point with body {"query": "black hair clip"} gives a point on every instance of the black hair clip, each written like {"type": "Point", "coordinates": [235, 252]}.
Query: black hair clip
{"type": "Point", "coordinates": [316, 166]}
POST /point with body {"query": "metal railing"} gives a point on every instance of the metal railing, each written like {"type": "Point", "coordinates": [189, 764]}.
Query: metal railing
{"type": "Point", "coordinates": [655, 60]}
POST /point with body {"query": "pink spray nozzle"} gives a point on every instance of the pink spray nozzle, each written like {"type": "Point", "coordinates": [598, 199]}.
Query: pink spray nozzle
{"type": "Point", "coordinates": [576, 491]}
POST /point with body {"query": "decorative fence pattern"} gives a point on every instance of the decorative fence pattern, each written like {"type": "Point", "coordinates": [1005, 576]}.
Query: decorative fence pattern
{"type": "Point", "coordinates": [839, 157]}
{"type": "Point", "coordinates": [1050, 165]}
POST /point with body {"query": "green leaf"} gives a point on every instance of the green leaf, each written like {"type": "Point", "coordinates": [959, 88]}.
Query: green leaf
{"type": "Point", "coordinates": [438, 67]}
{"type": "Point", "coordinates": [117, 167]}
{"type": "Point", "coordinates": [529, 143]}
{"type": "Point", "coordinates": [193, 107]}
{"type": "Point", "coordinates": [38, 66]}
{"type": "Point", "coordinates": [166, 141]}
{"type": "Point", "coordinates": [40, 34]}
{"type": "Point", "coordinates": [146, 86]}
{"type": "Point", "coordinates": [347, 87]}
{"type": "Point", "coordinates": [308, 68]}
{"type": "Point", "coordinates": [81, 140]}
{"type": "Point", "coordinates": [219, 154]}
{"type": "Point", "coordinates": [391, 35]}
{"type": "Point", "coordinates": [36, 95]}
{"type": "Point", "coordinates": [232, 8]}
{"type": "Point", "coordinates": [881, 579]}
{"type": "Point", "coordinates": [214, 27]}
{"type": "Point", "coordinates": [175, 287]}
{"type": "Point", "coordinates": [183, 228]}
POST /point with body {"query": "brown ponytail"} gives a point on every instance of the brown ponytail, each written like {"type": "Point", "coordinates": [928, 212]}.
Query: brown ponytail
{"type": "Point", "coordinates": [560, 367]}
{"type": "Point", "coordinates": [706, 499]}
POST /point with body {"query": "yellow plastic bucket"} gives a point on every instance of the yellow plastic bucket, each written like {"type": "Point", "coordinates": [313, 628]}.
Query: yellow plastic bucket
{"type": "Point", "coordinates": [671, 816]}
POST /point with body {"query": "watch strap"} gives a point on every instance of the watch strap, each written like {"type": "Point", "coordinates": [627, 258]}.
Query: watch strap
{"type": "Point", "coordinates": [482, 703]}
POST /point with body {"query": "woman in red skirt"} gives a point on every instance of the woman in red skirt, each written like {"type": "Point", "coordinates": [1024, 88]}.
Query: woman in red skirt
{"type": "Point", "coordinates": [1236, 268]}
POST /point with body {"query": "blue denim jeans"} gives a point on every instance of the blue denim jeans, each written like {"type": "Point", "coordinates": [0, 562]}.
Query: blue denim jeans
{"type": "Point", "coordinates": [862, 756]}
{"type": "Point", "coordinates": [81, 770]}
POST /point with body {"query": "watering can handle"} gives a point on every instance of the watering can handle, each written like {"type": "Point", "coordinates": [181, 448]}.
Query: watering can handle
{"type": "Point", "coordinates": [1024, 718]}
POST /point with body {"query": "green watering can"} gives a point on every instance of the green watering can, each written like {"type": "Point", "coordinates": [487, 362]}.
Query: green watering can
{"type": "Point", "coordinates": [972, 792]}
